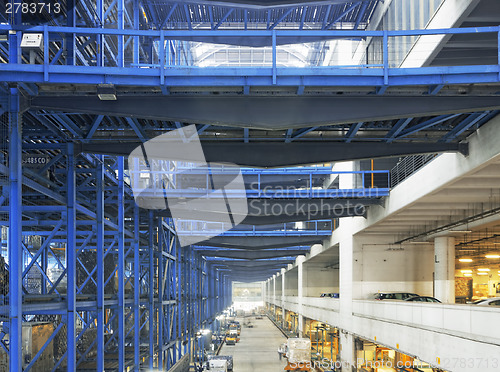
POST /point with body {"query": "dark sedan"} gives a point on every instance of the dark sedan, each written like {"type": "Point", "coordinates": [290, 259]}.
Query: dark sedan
{"type": "Point", "coordinates": [423, 299]}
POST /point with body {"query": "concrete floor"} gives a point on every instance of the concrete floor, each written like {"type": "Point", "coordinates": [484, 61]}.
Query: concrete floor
{"type": "Point", "coordinates": [257, 349]}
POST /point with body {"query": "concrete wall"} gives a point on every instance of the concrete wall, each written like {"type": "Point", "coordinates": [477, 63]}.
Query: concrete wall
{"type": "Point", "coordinates": [381, 267]}
{"type": "Point", "coordinates": [292, 283]}
{"type": "Point", "coordinates": [319, 279]}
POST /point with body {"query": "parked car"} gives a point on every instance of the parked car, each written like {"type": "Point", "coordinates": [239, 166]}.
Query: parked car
{"type": "Point", "coordinates": [393, 295]}
{"type": "Point", "coordinates": [332, 295]}
{"type": "Point", "coordinates": [494, 301]}
{"type": "Point", "coordinates": [423, 299]}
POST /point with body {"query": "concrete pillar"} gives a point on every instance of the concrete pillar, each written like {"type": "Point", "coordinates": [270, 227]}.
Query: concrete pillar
{"type": "Point", "coordinates": [346, 277]}
{"type": "Point", "coordinates": [347, 354]}
{"type": "Point", "coordinates": [300, 293]}
{"type": "Point", "coordinates": [444, 269]}
{"type": "Point", "coordinates": [274, 289]}
{"type": "Point", "coordinates": [283, 286]}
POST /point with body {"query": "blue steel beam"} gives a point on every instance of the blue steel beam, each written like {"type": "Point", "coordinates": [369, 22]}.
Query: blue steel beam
{"type": "Point", "coordinates": [426, 124]}
{"type": "Point", "coordinates": [471, 120]}
{"type": "Point", "coordinates": [342, 15]}
{"type": "Point", "coordinates": [352, 131]}
{"type": "Point", "coordinates": [299, 133]}
{"type": "Point", "coordinates": [400, 125]}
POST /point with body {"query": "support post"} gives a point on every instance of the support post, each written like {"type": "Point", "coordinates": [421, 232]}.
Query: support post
{"type": "Point", "coordinates": [70, 38]}
{"type": "Point", "coordinates": [283, 286]}
{"type": "Point", "coordinates": [137, 291]}
{"type": "Point", "coordinates": [151, 289]}
{"type": "Point", "coordinates": [15, 232]}
{"type": "Point", "coordinates": [100, 261]}
{"type": "Point", "coordinates": [121, 27]}
{"type": "Point", "coordinates": [71, 258]}
{"type": "Point", "coordinates": [160, 293]}
{"type": "Point", "coordinates": [300, 293]}
{"type": "Point", "coordinates": [121, 267]}
{"type": "Point", "coordinates": [444, 269]}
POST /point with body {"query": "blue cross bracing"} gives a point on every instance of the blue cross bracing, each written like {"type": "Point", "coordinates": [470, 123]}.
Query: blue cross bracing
{"type": "Point", "coordinates": [99, 267]}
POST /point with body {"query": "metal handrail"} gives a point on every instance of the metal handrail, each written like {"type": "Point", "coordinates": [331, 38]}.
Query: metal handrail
{"type": "Point", "coordinates": [408, 166]}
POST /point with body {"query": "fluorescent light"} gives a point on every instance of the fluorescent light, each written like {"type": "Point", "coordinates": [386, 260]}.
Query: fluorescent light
{"type": "Point", "coordinates": [465, 259]}
{"type": "Point", "coordinates": [483, 269]}
{"type": "Point", "coordinates": [466, 271]}
{"type": "Point", "coordinates": [461, 231]}
{"type": "Point", "coordinates": [482, 273]}
{"type": "Point", "coordinates": [106, 92]}
{"type": "Point", "coordinates": [492, 256]}
{"type": "Point", "coordinates": [468, 274]}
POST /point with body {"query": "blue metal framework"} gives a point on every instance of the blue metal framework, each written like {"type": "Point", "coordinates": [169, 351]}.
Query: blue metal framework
{"type": "Point", "coordinates": [105, 268]}
{"type": "Point", "coordinates": [113, 279]}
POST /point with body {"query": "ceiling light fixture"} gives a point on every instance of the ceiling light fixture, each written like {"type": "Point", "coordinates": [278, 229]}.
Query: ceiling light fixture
{"type": "Point", "coordinates": [482, 273]}
{"type": "Point", "coordinates": [465, 259]}
{"type": "Point", "coordinates": [466, 271]}
{"type": "Point", "coordinates": [461, 231]}
{"type": "Point", "coordinates": [467, 274]}
{"type": "Point", "coordinates": [106, 92]}
{"type": "Point", "coordinates": [483, 269]}
{"type": "Point", "coordinates": [492, 256]}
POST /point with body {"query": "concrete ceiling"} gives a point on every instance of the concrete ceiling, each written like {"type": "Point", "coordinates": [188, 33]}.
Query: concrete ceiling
{"type": "Point", "coordinates": [472, 49]}
{"type": "Point", "coordinates": [473, 194]}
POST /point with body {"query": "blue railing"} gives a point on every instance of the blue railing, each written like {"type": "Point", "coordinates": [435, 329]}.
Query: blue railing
{"type": "Point", "coordinates": [297, 183]}
{"type": "Point", "coordinates": [125, 65]}
{"type": "Point", "coordinates": [196, 228]}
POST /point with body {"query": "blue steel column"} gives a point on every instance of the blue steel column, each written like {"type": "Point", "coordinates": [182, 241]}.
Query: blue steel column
{"type": "Point", "coordinates": [151, 288]}
{"type": "Point", "coordinates": [100, 38]}
{"type": "Point", "coordinates": [121, 26]}
{"type": "Point", "coordinates": [137, 291]}
{"type": "Point", "coordinates": [187, 347]}
{"type": "Point", "coordinates": [70, 38]}
{"type": "Point", "coordinates": [160, 293]}
{"type": "Point", "coordinates": [121, 268]}
{"type": "Point", "coordinates": [189, 297]}
{"type": "Point", "coordinates": [136, 27]}
{"type": "Point", "coordinates": [71, 259]}
{"type": "Point", "coordinates": [180, 277]}
{"type": "Point", "coordinates": [211, 292]}
{"type": "Point", "coordinates": [15, 233]}
{"type": "Point", "coordinates": [100, 262]}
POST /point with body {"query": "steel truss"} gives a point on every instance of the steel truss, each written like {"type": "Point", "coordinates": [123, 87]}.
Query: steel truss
{"type": "Point", "coordinates": [112, 279]}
